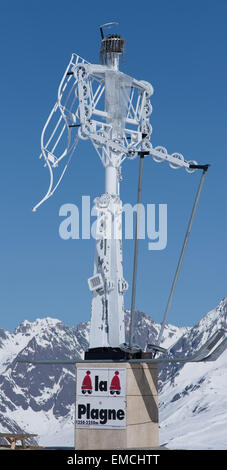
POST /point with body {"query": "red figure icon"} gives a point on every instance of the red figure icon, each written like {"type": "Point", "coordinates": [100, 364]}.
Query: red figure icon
{"type": "Point", "coordinates": [115, 386]}
{"type": "Point", "coordinates": [87, 384]}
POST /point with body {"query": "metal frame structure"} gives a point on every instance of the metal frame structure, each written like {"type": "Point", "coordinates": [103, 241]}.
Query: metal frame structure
{"type": "Point", "coordinates": [112, 110]}
{"type": "Point", "coordinates": [75, 116]}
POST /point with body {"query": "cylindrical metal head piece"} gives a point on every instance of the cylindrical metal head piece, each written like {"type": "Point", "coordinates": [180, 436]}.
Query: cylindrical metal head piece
{"type": "Point", "coordinates": [112, 43]}
{"type": "Point", "coordinates": [112, 47]}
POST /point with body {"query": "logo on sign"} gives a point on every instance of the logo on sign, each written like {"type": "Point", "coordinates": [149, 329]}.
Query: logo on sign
{"type": "Point", "coordinates": [86, 386]}
{"type": "Point", "coordinates": [115, 386]}
{"type": "Point", "coordinates": [101, 385]}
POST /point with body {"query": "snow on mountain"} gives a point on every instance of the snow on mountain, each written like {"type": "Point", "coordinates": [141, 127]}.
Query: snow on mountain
{"type": "Point", "coordinates": [193, 411]}
{"type": "Point", "coordinates": [193, 401]}
{"type": "Point", "coordinates": [40, 398]}
{"type": "Point", "coordinates": [147, 331]}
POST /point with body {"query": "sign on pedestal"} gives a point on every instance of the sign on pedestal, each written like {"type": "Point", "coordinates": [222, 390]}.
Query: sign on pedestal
{"type": "Point", "coordinates": [101, 398]}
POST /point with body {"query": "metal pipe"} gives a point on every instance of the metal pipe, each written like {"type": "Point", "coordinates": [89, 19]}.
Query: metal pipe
{"type": "Point", "coordinates": [181, 256]}
{"type": "Point", "coordinates": [136, 250]}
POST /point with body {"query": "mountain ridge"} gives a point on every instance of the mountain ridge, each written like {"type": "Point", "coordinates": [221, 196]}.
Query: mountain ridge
{"type": "Point", "coordinates": [40, 399]}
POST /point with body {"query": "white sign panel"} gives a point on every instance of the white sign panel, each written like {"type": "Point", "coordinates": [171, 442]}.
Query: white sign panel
{"type": "Point", "coordinates": [100, 398]}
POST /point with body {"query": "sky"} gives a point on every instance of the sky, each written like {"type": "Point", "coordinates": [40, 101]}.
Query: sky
{"type": "Point", "coordinates": [180, 48]}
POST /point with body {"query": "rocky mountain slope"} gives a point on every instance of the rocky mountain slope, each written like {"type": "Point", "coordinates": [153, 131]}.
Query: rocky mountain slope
{"type": "Point", "coordinates": [193, 397]}
{"type": "Point", "coordinates": [40, 398]}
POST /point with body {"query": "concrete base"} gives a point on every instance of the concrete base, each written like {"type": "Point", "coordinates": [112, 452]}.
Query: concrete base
{"type": "Point", "coordinates": [141, 429]}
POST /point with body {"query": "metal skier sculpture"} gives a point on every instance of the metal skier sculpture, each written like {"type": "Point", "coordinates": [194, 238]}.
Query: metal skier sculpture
{"type": "Point", "coordinates": [112, 110]}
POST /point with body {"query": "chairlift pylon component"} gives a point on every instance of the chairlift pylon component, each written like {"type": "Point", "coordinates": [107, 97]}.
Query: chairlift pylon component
{"type": "Point", "coordinates": [135, 263]}
{"type": "Point", "coordinates": [173, 287]}
{"type": "Point", "coordinates": [79, 107]}
{"type": "Point", "coordinates": [97, 102]}
{"type": "Point", "coordinates": [156, 348]}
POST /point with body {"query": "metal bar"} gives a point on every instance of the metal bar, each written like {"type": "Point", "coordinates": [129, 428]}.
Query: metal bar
{"type": "Point", "coordinates": [105, 361]}
{"type": "Point", "coordinates": [181, 256]}
{"type": "Point", "coordinates": [211, 357]}
{"type": "Point", "coordinates": [170, 158]}
{"type": "Point", "coordinates": [99, 112]}
{"type": "Point", "coordinates": [136, 251]}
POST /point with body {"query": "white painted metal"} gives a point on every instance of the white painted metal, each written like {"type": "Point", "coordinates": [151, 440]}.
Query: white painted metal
{"type": "Point", "coordinates": [80, 99]}
{"type": "Point", "coordinates": [112, 109]}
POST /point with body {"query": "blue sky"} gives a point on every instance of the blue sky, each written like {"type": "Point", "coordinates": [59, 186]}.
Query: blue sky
{"type": "Point", "coordinates": [178, 46]}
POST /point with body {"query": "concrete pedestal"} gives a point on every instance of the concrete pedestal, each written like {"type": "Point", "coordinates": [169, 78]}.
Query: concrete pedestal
{"type": "Point", "coordinates": [141, 430]}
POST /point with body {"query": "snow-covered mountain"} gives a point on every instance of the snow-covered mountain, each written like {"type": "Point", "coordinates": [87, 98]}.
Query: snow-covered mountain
{"type": "Point", "coordinates": [40, 398]}
{"type": "Point", "coordinates": [193, 397]}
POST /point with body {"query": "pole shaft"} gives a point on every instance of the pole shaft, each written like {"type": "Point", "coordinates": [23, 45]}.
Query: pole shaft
{"type": "Point", "coordinates": [136, 252]}
{"type": "Point", "coordinates": [181, 256]}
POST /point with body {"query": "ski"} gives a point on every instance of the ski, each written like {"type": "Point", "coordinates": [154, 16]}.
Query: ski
{"type": "Point", "coordinates": [217, 352]}
{"type": "Point", "coordinates": [204, 353]}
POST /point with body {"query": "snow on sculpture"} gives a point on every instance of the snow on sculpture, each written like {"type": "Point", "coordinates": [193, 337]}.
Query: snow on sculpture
{"type": "Point", "coordinates": [98, 102]}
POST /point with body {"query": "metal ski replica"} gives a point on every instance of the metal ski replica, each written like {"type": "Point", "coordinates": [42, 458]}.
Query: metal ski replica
{"type": "Point", "coordinates": [210, 351]}
{"type": "Point", "coordinates": [112, 110]}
